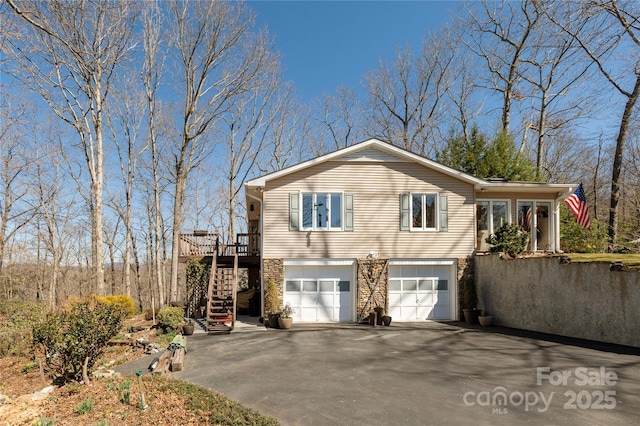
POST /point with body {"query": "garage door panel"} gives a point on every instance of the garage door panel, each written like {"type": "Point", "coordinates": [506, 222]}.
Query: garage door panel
{"type": "Point", "coordinates": [325, 300]}
{"type": "Point", "coordinates": [421, 291]}
{"type": "Point", "coordinates": [325, 292]}
{"type": "Point", "coordinates": [308, 313]}
{"type": "Point", "coordinates": [409, 299]}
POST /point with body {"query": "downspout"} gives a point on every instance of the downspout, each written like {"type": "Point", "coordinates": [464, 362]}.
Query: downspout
{"type": "Point", "coordinates": [261, 251]}
{"type": "Point", "coordinates": [556, 221]}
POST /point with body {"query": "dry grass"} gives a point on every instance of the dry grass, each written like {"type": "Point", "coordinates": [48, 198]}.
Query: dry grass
{"type": "Point", "coordinates": [115, 400]}
{"type": "Point", "coordinates": [631, 261]}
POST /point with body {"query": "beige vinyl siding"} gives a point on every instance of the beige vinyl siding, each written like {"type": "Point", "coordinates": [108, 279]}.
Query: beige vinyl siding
{"type": "Point", "coordinates": [376, 189]}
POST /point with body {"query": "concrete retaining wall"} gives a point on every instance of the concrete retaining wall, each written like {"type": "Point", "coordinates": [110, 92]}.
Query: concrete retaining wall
{"type": "Point", "coordinates": [582, 300]}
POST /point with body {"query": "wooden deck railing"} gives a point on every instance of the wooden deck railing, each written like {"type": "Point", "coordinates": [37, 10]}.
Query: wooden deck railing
{"type": "Point", "coordinates": [200, 244]}
{"type": "Point", "coordinates": [246, 245]}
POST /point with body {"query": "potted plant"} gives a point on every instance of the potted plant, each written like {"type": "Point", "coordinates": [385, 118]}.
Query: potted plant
{"type": "Point", "coordinates": [272, 302]}
{"type": "Point", "coordinates": [372, 317]}
{"type": "Point", "coordinates": [470, 298]}
{"type": "Point", "coordinates": [188, 328]}
{"type": "Point", "coordinates": [379, 314]}
{"type": "Point", "coordinates": [284, 319]}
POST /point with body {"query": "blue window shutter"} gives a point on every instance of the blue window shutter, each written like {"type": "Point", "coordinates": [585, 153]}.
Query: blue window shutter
{"type": "Point", "coordinates": [405, 213]}
{"type": "Point", "coordinates": [444, 213]}
{"type": "Point", "coordinates": [348, 212]}
{"type": "Point", "coordinates": [294, 211]}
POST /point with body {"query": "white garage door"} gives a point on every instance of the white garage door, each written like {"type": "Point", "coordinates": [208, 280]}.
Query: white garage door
{"type": "Point", "coordinates": [421, 291]}
{"type": "Point", "coordinates": [321, 293]}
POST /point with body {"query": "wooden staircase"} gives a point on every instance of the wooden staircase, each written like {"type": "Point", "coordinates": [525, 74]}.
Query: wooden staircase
{"type": "Point", "coordinates": [221, 295]}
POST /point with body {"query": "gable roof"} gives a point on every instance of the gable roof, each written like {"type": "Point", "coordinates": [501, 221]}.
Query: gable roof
{"type": "Point", "coordinates": [374, 150]}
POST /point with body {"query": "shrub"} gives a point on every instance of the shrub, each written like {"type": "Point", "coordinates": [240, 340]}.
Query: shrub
{"type": "Point", "coordinates": [170, 317]}
{"type": "Point", "coordinates": [576, 239]}
{"type": "Point", "coordinates": [16, 320]}
{"type": "Point", "coordinates": [271, 297]}
{"type": "Point", "coordinates": [148, 314]}
{"type": "Point", "coordinates": [122, 301]}
{"type": "Point", "coordinates": [470, 297]}
{"type": "Point", "coordinates": [509, 239]}
{"type": "Point", "coordinates": [80, 332]}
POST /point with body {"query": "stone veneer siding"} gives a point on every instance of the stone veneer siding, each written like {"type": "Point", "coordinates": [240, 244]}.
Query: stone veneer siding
{"type": "Point", "coordinates": [273, 269]}
{"type": "Point", "coordinates": [465, 271]}
{"type": "Point", "coordinates": [368, 272]}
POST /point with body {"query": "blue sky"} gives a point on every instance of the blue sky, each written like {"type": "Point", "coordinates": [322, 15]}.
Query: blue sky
{"type": "Point", "coordinates": [325, 44]}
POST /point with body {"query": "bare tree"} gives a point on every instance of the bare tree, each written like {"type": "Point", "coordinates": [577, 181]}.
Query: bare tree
{"type": "Point", "coordinates": [498, 33]}
{"type": "Point", "coordinates": [69, 53]}
{"type": "Point", "coordinates": [124, 121]}
{"type": "Point", "coordinates": [339, 117]}
{"type": "Point", "coordinates": [557, 74]}
{"type": "Point", "coordinates": [405, 97]}
{"type": "Point", "coordinates": [152, 70]}
{"type": "Point", "coordinates": [218, 56]}
{"type": "Point", "coordinates": [285, 137]}
{"type": "Point", "coordinates": [16, 208]}
{"type": "Point", "coordinates": [604, 29]}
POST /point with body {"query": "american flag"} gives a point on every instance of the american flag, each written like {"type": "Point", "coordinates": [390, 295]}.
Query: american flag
{"type": "Point", "coordinates": [577, 203]}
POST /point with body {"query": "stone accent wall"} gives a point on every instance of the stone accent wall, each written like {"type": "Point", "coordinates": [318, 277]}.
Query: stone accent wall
{"type": "Point", "coordinates": [465, 271]}
{"type": "Point", "coordinates": [369, 270]}
{"type": "Point", "coordinates": [273, 269]}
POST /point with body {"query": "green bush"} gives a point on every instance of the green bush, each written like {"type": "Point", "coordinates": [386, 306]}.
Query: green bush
{"type": "Point", "coordinates": [123, 301]}
{"type": "Point", "coordinates": [82, 331]}
{"type": "Point", "coordinates": [16, 320]}
{"type": "Point", "coordinates": [576, 239]}
{"type": "Point", "coordinates": [509, 239]}
{"type": "Point", "coordinates": [170, 318]}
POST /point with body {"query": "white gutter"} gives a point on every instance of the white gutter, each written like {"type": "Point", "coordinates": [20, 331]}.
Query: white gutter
{"type": "Point", "coordinates": [556, 223]}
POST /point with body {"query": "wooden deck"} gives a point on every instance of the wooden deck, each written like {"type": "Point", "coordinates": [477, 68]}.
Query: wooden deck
{"type": "Point", "coordinates": [223, 279]}
{"type": "Point", "coordinates": [201, 244]}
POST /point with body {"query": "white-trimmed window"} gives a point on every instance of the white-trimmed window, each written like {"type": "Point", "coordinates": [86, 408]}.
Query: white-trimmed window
{"type": "Point", "coordinates": [492, 214]}
{"type": "Point", "coordinates": [424, 211]}
{"type": "Point", "coordinates": [320, 211]}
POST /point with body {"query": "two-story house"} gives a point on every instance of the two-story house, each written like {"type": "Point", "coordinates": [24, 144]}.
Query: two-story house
{"type": "Point", "coordinates": [373, 224]}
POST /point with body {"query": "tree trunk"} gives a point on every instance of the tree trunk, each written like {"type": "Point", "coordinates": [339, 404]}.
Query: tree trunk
{"type": "Point", "coordinates": [616, 179]}
{"type": "Point", "coordinates": [181, 183]}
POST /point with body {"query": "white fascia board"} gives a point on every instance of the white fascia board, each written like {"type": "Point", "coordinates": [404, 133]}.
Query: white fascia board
{"type": "Point", "coordinates": [319, 262]}
{"type": "Point", "coordinates": [526, 187]}
{"type": "Point", "coordinates": [261, 181]}
{"type": "Point", "coordinates": [431, 262]}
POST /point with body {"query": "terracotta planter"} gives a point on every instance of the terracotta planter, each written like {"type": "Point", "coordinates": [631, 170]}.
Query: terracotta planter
{"type": "Point", "coordinates": [485, 320]}
{"type": "Point", "coordinates": [285, 323]}
{"type": "Point", "coordinates": [188, 329]}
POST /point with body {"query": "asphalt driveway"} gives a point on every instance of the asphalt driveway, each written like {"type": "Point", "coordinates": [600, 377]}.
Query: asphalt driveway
{"type": "Point", "coordinates": [417, 374]}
